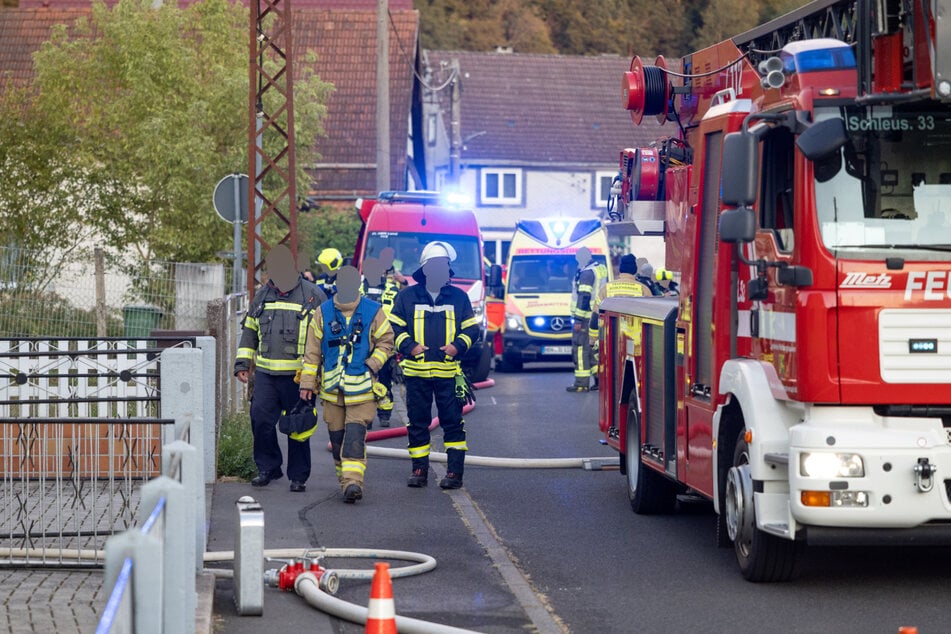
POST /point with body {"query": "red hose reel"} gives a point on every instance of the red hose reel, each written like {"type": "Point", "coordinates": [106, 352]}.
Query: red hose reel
{"type": "Point", "coordinates": [645, 90]}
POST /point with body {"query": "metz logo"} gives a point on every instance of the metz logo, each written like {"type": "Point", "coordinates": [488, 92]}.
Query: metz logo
{"type": "Point", "coordinates": [866, 280]}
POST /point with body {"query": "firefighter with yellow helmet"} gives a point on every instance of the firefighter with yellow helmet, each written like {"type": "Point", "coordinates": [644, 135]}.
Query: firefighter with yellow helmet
{"type": "Point", "coordinates": [348, 341]}
{"type": "Point", "coordinates": [329, 261]}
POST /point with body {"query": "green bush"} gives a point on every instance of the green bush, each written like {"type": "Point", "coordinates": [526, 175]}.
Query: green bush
{"type": "Point", "coordinates": [235, 445]}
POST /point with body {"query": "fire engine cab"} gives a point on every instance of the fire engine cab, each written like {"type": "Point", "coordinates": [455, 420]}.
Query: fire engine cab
{"type": "Point", "coordinates": [801, 381]}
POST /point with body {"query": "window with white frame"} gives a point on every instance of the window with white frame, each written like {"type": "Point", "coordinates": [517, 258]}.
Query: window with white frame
{"type": "Point", "coordinates": [501, 186]}
{"type": "Point", "coordinates": [602, 188]}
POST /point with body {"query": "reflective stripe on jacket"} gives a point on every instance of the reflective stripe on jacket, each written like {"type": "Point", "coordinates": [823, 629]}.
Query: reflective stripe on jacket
{"type": "Point", "coordinates": [625, 285]}
{"type": "Point", "coordinates": [418, 319]}
{"type": "Point", "coordinates": [581, 291]}
{"type": "Point", "coordinates": [275, 328]}
{"type": "Point", "coordinates": [323, 355]}
{"type": "Point", "coordinates": [346, 350]}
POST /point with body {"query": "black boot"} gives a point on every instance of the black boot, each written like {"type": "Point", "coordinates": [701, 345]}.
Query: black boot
{"type": "Point", "coordinates": [419, 478]}
{"type": "Point", "coordinates": [451, 481]}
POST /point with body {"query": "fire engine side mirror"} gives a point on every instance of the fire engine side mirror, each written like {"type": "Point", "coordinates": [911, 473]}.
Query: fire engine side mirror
{"type": "Point", "coordinates": [737, 225]}
{"type": "Point", "coordinates": [794, 276]}
{"type": "Point", "coordinates": [739, 175]}
{"type": "Point", "coordinates": [821, 139]}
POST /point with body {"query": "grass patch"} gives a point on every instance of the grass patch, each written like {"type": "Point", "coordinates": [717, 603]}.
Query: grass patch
{"type": "Point", "coordinates": [235, 446]}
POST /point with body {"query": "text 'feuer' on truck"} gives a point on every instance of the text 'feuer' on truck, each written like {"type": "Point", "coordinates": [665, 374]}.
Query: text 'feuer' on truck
{"type": "Point", "coordinates": [802, 379]}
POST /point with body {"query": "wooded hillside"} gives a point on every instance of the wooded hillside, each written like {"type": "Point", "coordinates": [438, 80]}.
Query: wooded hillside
{"type": "Point", "coordinates": [580, 27]}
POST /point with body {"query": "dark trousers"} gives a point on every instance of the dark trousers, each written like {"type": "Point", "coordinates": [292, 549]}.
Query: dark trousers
{"type": "Point", "coordinates": [420, 393]}
{"type": "Point", "coordinates": [385, 378]}
{"type": "Point", "coordinates": [272, 395]}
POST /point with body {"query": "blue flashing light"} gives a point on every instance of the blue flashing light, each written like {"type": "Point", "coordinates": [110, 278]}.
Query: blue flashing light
{"type": "Point", "coordinates": [821, 59]}
{"type": "Point", "coordinates": [534, 229]}
{"type": "Point", "coordinates": [457, 199]}
{"type": "Point", "coordinates": [558, 228]}
{"type": "Point", "coordinates": [538, 322]}
{"type": "Point", "coordinates": [927, 346]}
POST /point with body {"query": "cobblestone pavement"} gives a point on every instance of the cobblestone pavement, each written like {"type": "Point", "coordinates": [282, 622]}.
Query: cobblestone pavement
{"type": "Point", "coordinates": [62, 601]}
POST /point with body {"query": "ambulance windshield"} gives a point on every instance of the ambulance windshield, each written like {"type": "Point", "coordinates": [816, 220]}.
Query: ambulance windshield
{"type": "Point", "coordinates": [887, 192]}
{"type": "Point", "coordinates": [544, 273]}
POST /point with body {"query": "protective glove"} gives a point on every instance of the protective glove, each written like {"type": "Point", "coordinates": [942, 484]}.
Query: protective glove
{"type": "Point", "coordinates": [465, 392]}
{"type": "Point", "coordinates": [297, 376]}
{"type": "Point", "coordinates": [383, 400]}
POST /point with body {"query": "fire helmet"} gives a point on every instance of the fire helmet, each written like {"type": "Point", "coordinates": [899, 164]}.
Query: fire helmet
{"type": "Point", "coordinates": [437, 249]}
{"type": "Point", "coordinates": [331, 258]}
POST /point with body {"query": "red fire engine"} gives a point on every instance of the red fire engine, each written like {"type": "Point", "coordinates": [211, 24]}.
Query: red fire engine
{"type": "Point", "coordinates": [801, 381]}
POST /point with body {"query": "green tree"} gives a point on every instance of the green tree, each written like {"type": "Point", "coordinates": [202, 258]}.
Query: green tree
{"type": "Point", "coordinates": [131, 119]}
{"type": "Point", "coordinates": [725, 18]}
{"type": "Point", "coordinates": [328, 227]}
{"type": "Point", "coordinates": [483, 25]}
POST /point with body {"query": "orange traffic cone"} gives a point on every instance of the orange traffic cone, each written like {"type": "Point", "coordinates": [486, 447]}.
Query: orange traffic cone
{"type": "Point", "coordinates": [381, 614]}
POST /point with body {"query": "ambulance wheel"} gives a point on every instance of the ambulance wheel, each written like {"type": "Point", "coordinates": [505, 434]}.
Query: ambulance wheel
{"type": "Point", "coordinates": [509, 363]}
{"type": "Point", "coordinates": [649, 492]}
{"type": "Point", "coordinates": [760, 555]}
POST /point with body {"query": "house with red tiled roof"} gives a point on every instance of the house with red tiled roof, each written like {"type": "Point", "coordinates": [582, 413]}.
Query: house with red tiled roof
{"type": "Point", "coordinates": [540, 135]}
{"type": "Point", "coordinates": [343, 35]}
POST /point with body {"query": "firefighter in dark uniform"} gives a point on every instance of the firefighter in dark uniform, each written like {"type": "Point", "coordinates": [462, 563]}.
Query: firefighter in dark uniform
{"type": "Point", "coordinates": [273, 336]}
{"type": "Point", "coordinates": [582, 290]}
{"type": "Point", "coordinates": [348, 341]}
{"type": "Point", "coordinates": [434, 325]}
{"type": "Point", "coordinates": [381, 283]}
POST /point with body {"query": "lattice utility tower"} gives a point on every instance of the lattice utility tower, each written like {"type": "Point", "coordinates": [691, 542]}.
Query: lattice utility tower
{"type": "Point", "coordinates": [271, 156]}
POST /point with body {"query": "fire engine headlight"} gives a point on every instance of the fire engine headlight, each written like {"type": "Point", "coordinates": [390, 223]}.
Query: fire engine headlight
{"type": "Point", "coordinates": [513, 322]}
{"type": "Point", "coordinates": [824, 464]}
{"type": "Point", "coordinates": [835, 499]}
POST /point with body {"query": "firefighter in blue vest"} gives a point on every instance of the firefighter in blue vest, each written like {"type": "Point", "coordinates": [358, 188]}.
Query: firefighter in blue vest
{"type": "Point", "coordinates": [272, 337]}
{"type": "Point", "coordinates": [348, 341]}
{"type": "Point", "coordinates": [434, 325]}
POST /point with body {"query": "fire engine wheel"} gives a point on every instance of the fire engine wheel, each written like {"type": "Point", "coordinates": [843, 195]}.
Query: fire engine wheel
{"type": "Point", "coordinates": [761, 556]}
{"type": "Point", "coordinates": [479, 371]}
{"type": "Point", "coordinates": [649, 492]}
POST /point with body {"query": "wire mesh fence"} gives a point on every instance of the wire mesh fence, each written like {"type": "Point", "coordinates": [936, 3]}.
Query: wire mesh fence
{"type": "Point", "coordinates": [88, 294]}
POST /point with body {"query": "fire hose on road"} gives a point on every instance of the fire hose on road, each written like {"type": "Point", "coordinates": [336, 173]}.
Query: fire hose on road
{"type": "Point", "coordinates": [589, 464]}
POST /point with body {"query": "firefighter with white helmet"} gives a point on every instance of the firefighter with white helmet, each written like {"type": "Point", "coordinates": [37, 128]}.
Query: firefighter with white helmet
{"type": "Point", "coordinates": [329, 261]}
{"type": "Point", "coordinates": [434, 326]}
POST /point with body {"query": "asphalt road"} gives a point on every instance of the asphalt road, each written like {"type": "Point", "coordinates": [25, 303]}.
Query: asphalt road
{"type": "Point", "coordinates": [559, 550]}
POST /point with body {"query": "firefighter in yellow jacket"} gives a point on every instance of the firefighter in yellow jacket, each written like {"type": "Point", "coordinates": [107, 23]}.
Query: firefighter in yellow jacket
{"type": "Point", "coordinates": [626, 285]}
{"type": "Point", "coordinates": [348, 341]}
